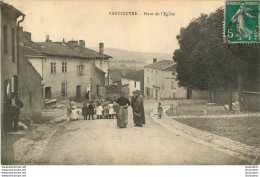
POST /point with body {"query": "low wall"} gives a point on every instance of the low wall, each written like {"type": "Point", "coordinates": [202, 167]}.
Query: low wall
{"type": "Point", "coordinates": [252, 101]}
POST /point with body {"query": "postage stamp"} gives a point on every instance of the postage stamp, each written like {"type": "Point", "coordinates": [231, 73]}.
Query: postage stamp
{"type": "Point", "coordinates": [241, 21]}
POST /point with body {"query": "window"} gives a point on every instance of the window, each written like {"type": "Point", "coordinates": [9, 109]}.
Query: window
{"type": "Point", "coordinates": [147, 79]}
{"type": "Point", "coordinates": [13, 45]}
{"type": "Point", "coordinates": [53, 68]}
{"type": "Point", "coordinates": [64, 67]}
{"type": "Point", "coordinates": [135, 84]}
{"type": "Point", "coordinates": [173, 85]}
{"type": "Point", "coordinates": [64, 88]}
{"type": "Point", "coordinates": [5, 39]}
{"type": "Point", "coordinates": [80, 70]}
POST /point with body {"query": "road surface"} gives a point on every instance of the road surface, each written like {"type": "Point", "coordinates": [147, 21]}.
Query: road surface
{"type": "Point", "coordinates": [100, 142]}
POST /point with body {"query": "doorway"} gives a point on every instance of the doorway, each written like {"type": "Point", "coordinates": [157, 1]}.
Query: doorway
{"type": "Point", "coordinates": [78, 92]}
{"type": "Point", "coordinates": [47, 92]}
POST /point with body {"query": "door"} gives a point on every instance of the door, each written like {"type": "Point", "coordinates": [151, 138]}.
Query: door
{"type": "Point", "coordinates": [47, 92]}
{"type": "Point", "coordinates": [78, 92]}
{"type": "Point", "coordinates": [97, 90]}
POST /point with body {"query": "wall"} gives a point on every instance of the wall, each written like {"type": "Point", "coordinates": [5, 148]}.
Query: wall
{"type": "Point", "coordinates": [30, 89]}
{"type": "Point", "coordinates": [103, 64]}
{"type": "Point", "coordinates": [97, 78]}
{"type": "Point", "coordinates": [131, 85]}
{"type": "Point", "coordinates": [223, 95]}
{"type": "Point", "coordinates": [8, 68]}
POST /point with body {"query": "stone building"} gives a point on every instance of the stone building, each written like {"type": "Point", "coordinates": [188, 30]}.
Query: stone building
{"type": "Point", "coordinates": [160, 81]}
{"type": "Point", "coordinates": [134, 80]}
{"type": "Point", "coordinates": [9, 57]}
{"type": "Point", "coordinates": [69, 69]}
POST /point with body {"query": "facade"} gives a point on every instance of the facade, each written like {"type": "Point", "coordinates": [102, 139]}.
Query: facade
{"type": "Point", "coordinates": [9, 57]}
{"type": "Point", "coordinates": [160, 81]}
{"type": "Point", "coordinates": [69, 69]}
{"type": "Point", "coordinates": [134, 80]}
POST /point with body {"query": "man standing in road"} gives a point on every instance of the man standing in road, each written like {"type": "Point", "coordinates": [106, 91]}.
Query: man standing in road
{"type": "Point", "coordinates": [14, 104]}
{"type": "Point", "coordinates": [139, 114]}
{"type": "Point", "coordinates": [122, 115]}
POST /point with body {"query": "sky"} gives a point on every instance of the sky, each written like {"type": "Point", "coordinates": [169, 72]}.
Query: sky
{"type": "Point", "coordinates": [90, 21]}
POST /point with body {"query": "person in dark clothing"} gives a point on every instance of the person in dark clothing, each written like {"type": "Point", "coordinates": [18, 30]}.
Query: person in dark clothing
{"type": "Point", "coordinates": [14, 105]}
{"type": "Point", "coordinates": [91, 108]}
{"type": "Point", "coordinates": [85, 111]}
{"type": "Point", "coordinates": [122, 114]}
{"type": "Point", "coordinates": [133, 101]}
{"type": "Point", "coordinates": [87, 96]}
{"type": "Point", "coordinates": [139, 113]}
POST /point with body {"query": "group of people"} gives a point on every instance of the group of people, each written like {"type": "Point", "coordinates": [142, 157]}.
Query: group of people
{"type": "Point", "coordinates": [89, 109]}
{"type": "Point", "coordinates": [111, 109]}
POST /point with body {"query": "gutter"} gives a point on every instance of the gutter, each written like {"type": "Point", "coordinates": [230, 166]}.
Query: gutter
{"type": "Point", "coordinates": [18, 54]}
{"type": "Point", "coordinates": [18, 44]}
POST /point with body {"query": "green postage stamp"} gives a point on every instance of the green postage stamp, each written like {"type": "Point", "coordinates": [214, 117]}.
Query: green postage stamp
{"type": "Point", "coordinates": [241, 22]}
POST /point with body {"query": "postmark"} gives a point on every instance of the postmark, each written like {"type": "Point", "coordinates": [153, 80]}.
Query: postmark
{"type": "Point", "coordinates": [241, 21]}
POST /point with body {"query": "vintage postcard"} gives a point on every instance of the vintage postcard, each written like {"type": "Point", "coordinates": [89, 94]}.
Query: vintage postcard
{"type": "Point", "coordinates": [130, 82]}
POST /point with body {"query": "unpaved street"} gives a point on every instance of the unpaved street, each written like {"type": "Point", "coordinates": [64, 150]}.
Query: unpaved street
{"type": "Point", "coordinates": [94, 142]}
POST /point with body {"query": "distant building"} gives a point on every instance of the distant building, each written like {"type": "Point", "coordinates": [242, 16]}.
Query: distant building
{"type": "Point", "coordinates": [160, 81]}
{"type": "Point", "coordinates": [69, 69]}
{"type": "Point", "coordinates": [134, 80]}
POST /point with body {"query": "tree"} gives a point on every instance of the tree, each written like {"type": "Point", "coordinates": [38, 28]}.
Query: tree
{"type": "Point", "coordinates": [205, 61]}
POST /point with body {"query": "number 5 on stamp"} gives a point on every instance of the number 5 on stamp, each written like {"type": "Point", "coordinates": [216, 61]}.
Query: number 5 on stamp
{"type": "Point", "coordinates": [241, 21]}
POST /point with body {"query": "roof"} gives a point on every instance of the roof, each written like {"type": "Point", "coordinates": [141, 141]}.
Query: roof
{"type": "Point", "coordinates": [5, 7]}
{"type": "Point", "coordinates": [171, 67]}
{"type": "Point", "coordinates": [24, 51]}
{"type": "Point", "coordinates": [65, 50]}
{"type": "Point", "coordinates": [136, 76]}
{"type": "Point", "coordinates": [160, 65]}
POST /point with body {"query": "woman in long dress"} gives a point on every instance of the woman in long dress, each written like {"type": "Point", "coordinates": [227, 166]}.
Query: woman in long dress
{"type": "Point", "coordinates": [139, 113]}
{"type": "Point", "coordinates": [122, 113]}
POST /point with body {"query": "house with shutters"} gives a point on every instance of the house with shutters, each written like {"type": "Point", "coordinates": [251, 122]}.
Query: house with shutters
{"type": "Point", "coordinates": [69, 69]}
{"type": "Point", "coordinates": [160, 81]}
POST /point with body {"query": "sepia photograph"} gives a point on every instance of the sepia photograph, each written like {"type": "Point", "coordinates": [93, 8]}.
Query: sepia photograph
{"type": "Point", "coordinates": [130, 82]}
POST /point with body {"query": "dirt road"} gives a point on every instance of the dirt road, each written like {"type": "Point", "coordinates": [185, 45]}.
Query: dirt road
{"type": "Point", "coordinates": [100, 142]}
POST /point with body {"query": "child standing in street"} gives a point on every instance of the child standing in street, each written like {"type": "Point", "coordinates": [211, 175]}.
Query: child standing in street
{"type": "Point", "coordinates": [91, 108]}
{"type": "Point", "coordinates": [85, 111]}
{"type": "Point", "coordinates": [111, 111]}
{"type": "Point", "coordinates": [160, 111]}
{"type": "Point", "coordinates": [99, 111]}
{"type": "Point", "coordinates": [74, 115]}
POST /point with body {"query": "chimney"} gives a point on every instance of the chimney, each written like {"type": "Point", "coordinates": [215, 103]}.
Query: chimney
{"type": "Point", "coordinates": [48, 38]}
{"type": "Point", "coordinates": [23, 35]}
{"type": "Point", "coordinates": [82, 43]}
{"type": "Point", "coordinates": [154, 60]}
{"type": "Point", "coordinates": [27, 36]}
{"type": "Point", "coordinates": [101, 48]}
{"type": "Point", "coordinates": [72, 44]}
{"type": "Point", "coordinates": [63, 42]}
